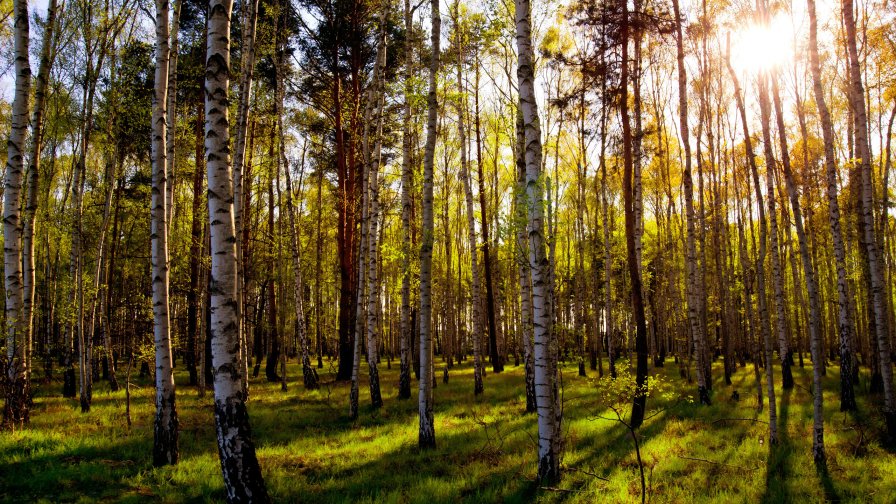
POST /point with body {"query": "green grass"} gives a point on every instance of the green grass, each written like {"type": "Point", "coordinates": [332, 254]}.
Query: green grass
{"type": "Point", "coordinates": [310, 451]}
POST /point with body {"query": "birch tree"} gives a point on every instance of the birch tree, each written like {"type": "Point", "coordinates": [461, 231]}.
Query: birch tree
{"type": "Point", "coordinates": [545, 345]}
{"type": "Point", "coordinates": [844, 322]}
{"type": "Point", "coordinates": [15, 410]}
{"type": "Point", "coordinates": [242, 474]}
{"type": "Point", "coordinates": [405, 331]}
{"type": "Point", "coordinates": [165, 450]}
{"type": "Point", "coordinates": [871, 254]}
{"type": "Point", "coordinates": [427, 434]}
{"type": "Point", "coordinates": [47, 58]}
{"type": "Point", "coordinates": [818, 453]}
{"type": "Point", "coordinates": [468, 201]}
{"type": "Point", "coordinates": [694, 296]}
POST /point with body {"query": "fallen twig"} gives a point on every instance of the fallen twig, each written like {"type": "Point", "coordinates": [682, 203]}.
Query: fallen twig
{"type": "Point", "coordinates": [593, 475]}
{"type": "Point", "coordinates": [716, 463]}
{"type": "Point", "coordinates": [739, 419]}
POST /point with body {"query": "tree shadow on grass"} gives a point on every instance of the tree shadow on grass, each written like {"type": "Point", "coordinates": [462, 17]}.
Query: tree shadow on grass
{"type": "Point", "coordinates": [778, 461]}
{"type": "Point", "coordinates": [463, 467]}
{"type": "Point", "coordinates": [79, 472]}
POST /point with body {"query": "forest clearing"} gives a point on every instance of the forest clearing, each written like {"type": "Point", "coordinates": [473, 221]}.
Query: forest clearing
{"type": "Point", "coordinates": [448, 251]}
{"type": "Point", "coordinates": [310, 450]}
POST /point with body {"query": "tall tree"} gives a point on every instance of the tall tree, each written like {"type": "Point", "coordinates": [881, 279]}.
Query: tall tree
{"type": "Point", "coordinates": [547, 392]}
{"type": "Point", "coordinates": [844, 322]}
{"type": "Point", "coordinates": [871, 254]}
{"type": "Point", "coordinates": [15, 410]}
{"type": "Point", "coordinates": [764, 323]}
{"type": "Point", "coordinates": [694, 294]}
{"type": "Point", "coordinates": [239, 464]}
{"type": "Point", "coordinates": [165, 450]}
{"type": "Point", "coordinates": [30, 205]}
{"type": "Point", "coordinates": [405, 330]}
{"type": "Point", "coordinates": [475, 291]}
{"type": "Point", "coordinates": [818, 453]}
{"type": "Point", "coordinates": [632, 243]}
{"type": "Point", "coordinates": [427, 435]}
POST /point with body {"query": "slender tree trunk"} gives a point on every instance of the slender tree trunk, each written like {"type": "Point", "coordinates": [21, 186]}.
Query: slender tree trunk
{"type": "Point", "coordinates": [818, 452]}
{"type": "Point", "coordinates": [866, 196]}
{"type": "Point", "coordinates": [194, 297]}
{"type": "Point", "coordinates": [695, 316]}
{"type": "Point", "coordinates": [632, 243]}
{"type": "Point", "coordinates": [171, 115]}
{"type": "Point", "coordinates": [47, 57]}
{"type": "Point", "coordinates": [774, 246]}
{"type": "Point", "coordinates": [247, 70]}
{"type": "Point", "coordinates": [165, 449]}
{"type": "Point", "coordinates": [545, 345]}
{"type": "Point", "coordinates": [15, 410]}
{"type": "Point", "coordinates": [377, 99]}
{"type": "Point", "coordinates": [404, 377]}
{"type": "Point", "coordinates": [522, 258]}
{"type": "Point", "coordinates": [427, 435]}
{"type": "Point", "coordinates": [309, 374]}
{"type": "Point", "coordinates": [242, 475]}
{"type": "Point", "coordinates": [764, 322]}
{"type": "Point", "coordinates": [471, 224]}
{"type": "Point", "coordinates": [844, 320]}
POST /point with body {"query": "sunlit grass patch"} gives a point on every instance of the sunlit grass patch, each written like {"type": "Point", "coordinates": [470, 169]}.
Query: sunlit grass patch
{"type": "Point", "coordinates": [310, 451]}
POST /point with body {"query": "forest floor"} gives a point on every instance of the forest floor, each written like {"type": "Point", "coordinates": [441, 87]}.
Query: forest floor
{"type": "Point", "coordinates": [310, 451]}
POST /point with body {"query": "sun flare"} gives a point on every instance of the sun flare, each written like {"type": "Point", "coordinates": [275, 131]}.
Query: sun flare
{"type": "Point", "coordinates": [757, 47]}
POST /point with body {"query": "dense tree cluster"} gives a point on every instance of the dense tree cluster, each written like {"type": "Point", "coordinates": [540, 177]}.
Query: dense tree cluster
{"type": "Point", "coordinates": [220, 186]}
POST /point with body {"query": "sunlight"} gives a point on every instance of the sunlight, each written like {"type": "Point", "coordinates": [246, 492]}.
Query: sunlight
{"type": "Point", "coordinates": [758, 47]}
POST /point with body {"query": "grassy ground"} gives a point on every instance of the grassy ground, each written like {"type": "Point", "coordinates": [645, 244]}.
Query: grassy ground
{"type": "Point", "coordinates": [309, 450]}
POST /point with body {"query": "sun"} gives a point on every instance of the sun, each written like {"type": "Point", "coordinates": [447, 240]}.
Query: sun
{"type": "Point", "coordinates": [757, 47]}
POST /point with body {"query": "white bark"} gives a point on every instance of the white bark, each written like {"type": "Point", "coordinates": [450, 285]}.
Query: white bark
{"type": "Point", "coordinates": [475, 295]}
{"type": "Point", "coordinates": [872, 256]}
{"type": "Point", "coordinates": [404, 379]}
{"type": "Point", "coordinates": [427, 435]}
{"type": "Point", "coordinates": [694, 292]}
{"type": "Point", "coordinates": [47, 57]}
{"type": "Point", "coordinates": [165, 440]}
{"type": "Point", "coordinates": [844, 322]}
{"type": "Point", "coordinates": [818, 453]}
{"type": "Point", "coordinates": [545, 345]}
{"type": "Point", "coordinates": [373, 161]}
{"type": "Point", "coordinates": [242, 475]}
{"type": "Point", "coordinates": [16, 408]}
{"type": "Point", "coordinates": [247, 69]}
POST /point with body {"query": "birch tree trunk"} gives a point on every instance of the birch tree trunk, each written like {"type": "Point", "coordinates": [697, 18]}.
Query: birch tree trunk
{"type": "Point", "coordinates": [47, 57]}
{"type": "Point", "coordinates": [471, 224]}
{"type": "Point", "coordinates": [427, 434]}
{"type": "Point", "coordinates": [774, 246]}
{"type": "Point", "coordinates": [695, 316]}
{"type": "Point", "coordinates": [15, 411]}
{"type": "Point", "coordinates": [522, 257]}
{"type": "Point", "coordinates": [373, 161]}
{"type": "Point", "coordinates": [545, 345]}
{"type": "Point", "coordinates": [368, 232]}
{"type": "Point", "coordinates": [404, 376]}
{"type": "Point", "coordinates": [171, 115]}
{"type": "Point", "coordinates": [309, 374]}
{"type": "Point", "coordinates": [844, 320]}
{"type": "Point", "coordinates": [239, 465]}
{"type": "Point", "coordinates": [632, 235]}
{"type": "Point", "coordinates": [874, 264]}
{"type": "Point", "coordinates": [818, 452]}
{"type": "Point", "coordinates": [764, 324]}
{"type": "Point", "coordinates": [165, 449]}
{"type": "Point", "coordinates": [247, 70]}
